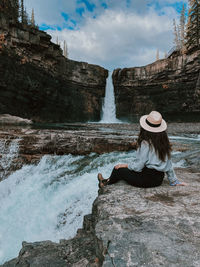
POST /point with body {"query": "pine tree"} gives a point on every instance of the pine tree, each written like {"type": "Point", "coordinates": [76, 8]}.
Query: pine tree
{"type": "Point", "coordinates": [10, 9]}
{"type": "Point", "coordinates": [16, 10]}
{"type": "Point", "coordinates": [26, 19]}
{"type": "Point", "coordinates": [22, 11]}
{"type": "Point", "coordinates": [193, 25]}
{"type": "Point", "coordinates": [176, 35]}
{"type": "Point", "coordinates": [182, 27]}
{"type": "Point", "coordinates": [33, 18]}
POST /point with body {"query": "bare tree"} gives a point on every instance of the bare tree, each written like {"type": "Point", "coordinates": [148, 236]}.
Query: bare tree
{"type": "Point", "coordinates": [33, 18]}
{"type": "Point", "coordinates": [65, 50]}
{"type": "Point", "coordinates": [182, 27]}
{"type": "Point", "coordinates": [176, 35]}
{"type": "Point", "coordinates": [157, 55]}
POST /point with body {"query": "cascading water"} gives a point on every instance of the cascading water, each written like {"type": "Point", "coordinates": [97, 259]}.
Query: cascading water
{"type": "Point", "coordinates": [109, 108]}
{"type": "Point", "coordinates": [9, 152]}
{"type": "Point", "coordinates": [48, 201]}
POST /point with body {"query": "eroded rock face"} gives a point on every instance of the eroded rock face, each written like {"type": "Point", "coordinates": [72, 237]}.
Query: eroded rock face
{"type": "Point", "coordinates": [130, 227]}
{"type": "Point", "coordinates": [170, 85]}
{"type": "Point", "coordinates": [21, 146]}
{"type": "Point", "coordinates": [37, 82]}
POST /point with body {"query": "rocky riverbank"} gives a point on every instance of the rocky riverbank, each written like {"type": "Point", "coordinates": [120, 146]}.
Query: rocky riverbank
{"type": "Point", "coordinates": [32, 143]}
{"type": "Point", "coordinates": [130, 227]}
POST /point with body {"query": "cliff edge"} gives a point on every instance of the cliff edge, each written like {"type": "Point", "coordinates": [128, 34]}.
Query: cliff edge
{"type": "Point", "coordinates": [130, 227]}
{"type": "Point", "coordinates": [170, 85]}
{"type": "Point", "coordinates": [37, 82]}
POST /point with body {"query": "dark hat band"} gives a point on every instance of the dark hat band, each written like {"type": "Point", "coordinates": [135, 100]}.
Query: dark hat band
{"type": "Point", "coordinates": [152, 125]}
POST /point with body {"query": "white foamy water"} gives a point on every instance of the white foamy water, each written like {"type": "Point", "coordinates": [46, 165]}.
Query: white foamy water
{"type": "Point", "coordinates": [48, 201]}
{"type": "Point", "coordinates": [109, 108]}
{"type": "Point", "coordinates": [197, 138]}
{"type": "Point", "coordinates": [9, 152]}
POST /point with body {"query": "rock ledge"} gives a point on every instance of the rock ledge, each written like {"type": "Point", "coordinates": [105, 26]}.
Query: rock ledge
{"type": "Point", "coordinates": [130, 227]}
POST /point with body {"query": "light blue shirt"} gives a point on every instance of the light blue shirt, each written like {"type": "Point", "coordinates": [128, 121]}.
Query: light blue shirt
{"type": "Point", "coordinates": [146, 156]}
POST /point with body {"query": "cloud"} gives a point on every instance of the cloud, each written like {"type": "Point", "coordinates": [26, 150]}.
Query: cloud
{"type": "Point", "coordinates": [49, 12]}
{"type": "Point", "coordinates": [119, 38]}
{"type": "Point", "coordinates": [111, 33]}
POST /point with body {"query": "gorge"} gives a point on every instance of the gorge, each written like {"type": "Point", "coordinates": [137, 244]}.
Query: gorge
{"type": "Point", "coordinates": [49, 161]}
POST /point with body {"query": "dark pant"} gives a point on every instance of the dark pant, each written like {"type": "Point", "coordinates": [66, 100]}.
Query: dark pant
{"type": "Point", "coordinates": [146, 178]}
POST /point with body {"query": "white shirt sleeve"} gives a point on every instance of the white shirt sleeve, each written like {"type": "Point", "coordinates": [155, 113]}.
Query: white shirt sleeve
{"type": "Point", "coordinates": [141, 158]}
{"type": "Point", "coordinates": [171, 176]}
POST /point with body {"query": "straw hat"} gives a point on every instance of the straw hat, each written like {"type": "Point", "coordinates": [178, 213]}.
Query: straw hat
{"type": "Point", "coordinates": [153, 122]}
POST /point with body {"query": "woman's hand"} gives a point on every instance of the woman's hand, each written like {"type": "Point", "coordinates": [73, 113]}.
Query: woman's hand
{"type": "Point", "coordinates": [121, 166]}
{"type": "Point", "coordinates": [181, 184]}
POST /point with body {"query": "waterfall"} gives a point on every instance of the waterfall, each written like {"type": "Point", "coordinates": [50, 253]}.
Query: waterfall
{"type": "Point", "coordinates": [9, 152]}
{"type": "Point", "coordinates": [48, 201]}
{"type": "Point", "coordinates": [109, 108]}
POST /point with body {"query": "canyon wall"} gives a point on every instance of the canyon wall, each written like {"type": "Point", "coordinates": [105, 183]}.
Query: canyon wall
{"type": "Point", "coordinates": [37, 82]}
{"type": "Point", "coordinates": [170, 85]}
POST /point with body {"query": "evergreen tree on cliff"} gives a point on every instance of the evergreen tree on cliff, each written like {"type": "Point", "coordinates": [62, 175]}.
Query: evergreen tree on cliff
{"type": "Point", "coordinates": [179, 31]}
{"type": "Point", "coordinates": [182, 27]}
{"type": "Point", "coordinates": [176, 35]}
{"type": "Point", "coordinates": [23, 13]}
{"type": "Point", "coordinates": [193, 26]}
{"type": "Point", "coordinates": [11, 9]}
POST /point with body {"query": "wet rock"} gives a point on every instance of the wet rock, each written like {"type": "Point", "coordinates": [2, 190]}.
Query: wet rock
{"type": "Point", "coordinates": [130, 227]}
{"type": "Point", "coordinates": [80, 139]}
{"type": "Point", "coordinates": [21, 146]}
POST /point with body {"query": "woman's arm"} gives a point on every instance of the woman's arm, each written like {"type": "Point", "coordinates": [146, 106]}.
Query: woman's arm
{"type": "Point", "coordinates": [121, 166]}
{"type": "Point", "coordinates": [172, 177]}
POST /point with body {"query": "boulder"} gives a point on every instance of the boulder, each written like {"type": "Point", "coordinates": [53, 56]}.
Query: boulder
{"type": "Point", "coordinates": [6, 119]}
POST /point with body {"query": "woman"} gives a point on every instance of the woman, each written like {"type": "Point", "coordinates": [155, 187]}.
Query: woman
{"type": "Point", "coordinates": [153, 158]}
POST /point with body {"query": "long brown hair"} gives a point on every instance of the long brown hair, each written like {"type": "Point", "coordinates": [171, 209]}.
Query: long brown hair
{"type": "Point", "coordinates": [159, 141]}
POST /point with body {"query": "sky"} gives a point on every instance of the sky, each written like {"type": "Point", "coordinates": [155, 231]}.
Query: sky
{"type": "Point", "coordinates": [110, 33]}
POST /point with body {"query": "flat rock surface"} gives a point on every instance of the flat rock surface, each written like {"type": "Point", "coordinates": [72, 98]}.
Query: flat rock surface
{"type": "Point", "coordinates": [150, 227]}
{"type": "Point", "coordinates": [130, 227]}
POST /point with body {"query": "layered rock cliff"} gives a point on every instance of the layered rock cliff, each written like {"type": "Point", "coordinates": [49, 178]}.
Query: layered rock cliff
{"type": "Point", "coordinates": [171, 86]}
{"type": "Point", "coordinates": [37, 82]}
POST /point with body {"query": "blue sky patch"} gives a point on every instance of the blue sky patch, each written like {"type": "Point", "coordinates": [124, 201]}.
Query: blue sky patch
{"type": "Point", "coordinates": [104, 5]}
{"type": "Point", "coordinates": [65, 16]}
{"type": "Point", "coordinates": [90, 6]}
{"type": "Point", "coordinates": [80, 11]}
{"type": "Point", "coordinates": [45, 27]}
